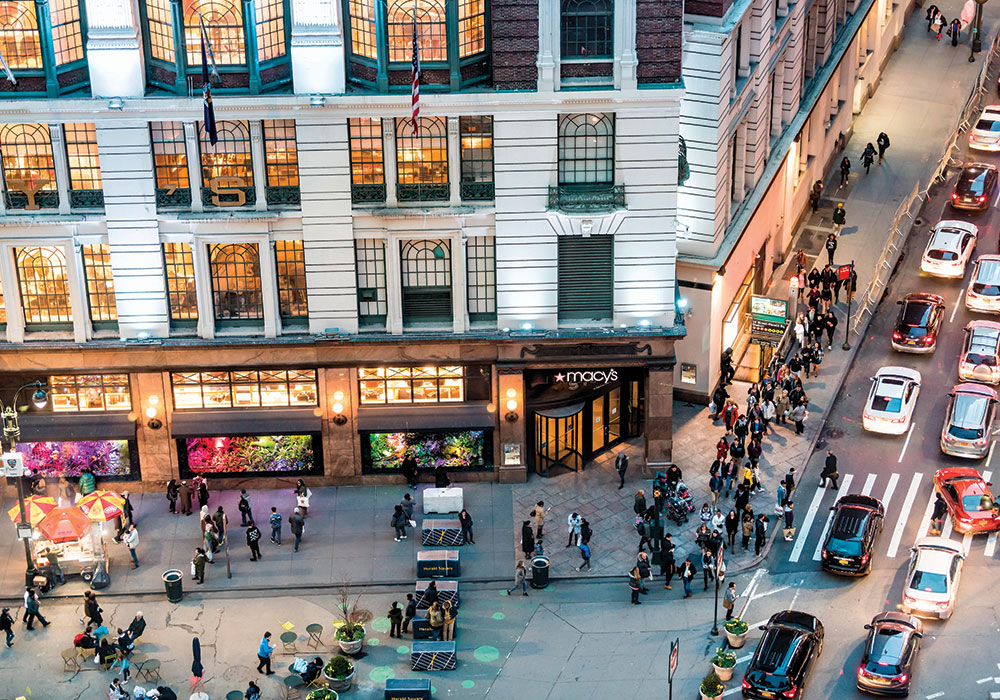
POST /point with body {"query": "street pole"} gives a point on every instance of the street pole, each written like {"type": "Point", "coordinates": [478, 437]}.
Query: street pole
{"type": "Point", "coordinates": [225, 530]}
{"type": "Point", "coordinates": [977, 40]}
{"type": "Point", "coordinates": [850, 298]}
{"type": "Point", "coordinates": [715, 614]}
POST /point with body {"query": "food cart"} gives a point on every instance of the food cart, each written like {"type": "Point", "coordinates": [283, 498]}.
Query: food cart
{"type": "Point", "coordinates": [66, 536]}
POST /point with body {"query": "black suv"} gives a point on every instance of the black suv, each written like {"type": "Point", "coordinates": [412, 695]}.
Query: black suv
{"type": "Point", "coordinates": [975, 187]}
{"type": "Point", "coordinates": [784, 657]}
{"type": "Point", "coordinates": [857, 520]}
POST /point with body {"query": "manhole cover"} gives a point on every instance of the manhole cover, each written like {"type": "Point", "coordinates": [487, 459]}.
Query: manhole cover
{"type": "Point", "coordinates": [361, 617]}
{"type": "Point", "coordinates": [833, 433]}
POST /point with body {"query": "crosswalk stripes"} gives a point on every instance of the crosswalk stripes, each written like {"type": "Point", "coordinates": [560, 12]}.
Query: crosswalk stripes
{"type": "Point", "coordinates": [897, 531]}
{"type": "Point", "coordinates": [869, 484]}
{"type": "Point", "coordinates": [844, 488]}
{"type": "Point", "coordinates": [807, 522]}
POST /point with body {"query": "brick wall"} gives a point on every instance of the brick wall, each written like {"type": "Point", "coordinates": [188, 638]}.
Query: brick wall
{"type": "Point", "coordinates": [710, 8]}
{"type": "Point", "coordinates": [515, 44]}
{"type": "Point", "coordinates": [658, 39]}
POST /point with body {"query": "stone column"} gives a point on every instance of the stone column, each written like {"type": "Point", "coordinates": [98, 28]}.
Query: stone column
{"type": "Point", "coordinates": [114, 52]}
{"type": "Point", "coordinates": [340, 458]}
{"type": "Point", "coordinates": [548, 35]}
{"type": "Point", "coordinates": [508, 432]}
{"type": "Point", "coordinates": [157, 456]}
{"type": "Point", "coordinates": [454, 163]}
{"type": "Point", "coordinates": [269, 287]}
{"type": "Point", "coordinates": [259, 162]}
{"type": "Point", "coordinates": [659, 417]}
{"type": "Point", "coordinates": [194, 164]}
{"type": "Point", "coordinates": [318, 60]}
{"type": "Point", "coordinates": [60, 166]}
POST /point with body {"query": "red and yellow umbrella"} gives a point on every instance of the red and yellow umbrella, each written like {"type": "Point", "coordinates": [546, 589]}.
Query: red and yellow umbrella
{"type": "Point", "coordinates": [37, 507]}
{"type": "Point", "coordinates": [101, 506]}
{"type": "Point", "coordinates": [64, 525]}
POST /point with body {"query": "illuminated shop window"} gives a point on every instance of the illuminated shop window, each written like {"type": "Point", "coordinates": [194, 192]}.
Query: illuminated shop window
{"type": "Point", "coordinates": [236, 288]}
{"type": "Point", "coordinates": [41, 276]}
{"type": "Point", "coordinates": [367, 167]}
{"type": "Point", "coordinates": [178, 264]}
{"type": "Point", "coordinates": [100, 283]}
{"type": "Point", "coordinates": [244, 388]}
{"type": "Point", "coordinates": [281, 153]}
{"type": "Point", "coordinates": [28, 165]}
{"type": "Point", "coordinates": [471, 27]}
{"type": "Point", "coordinates": [230, 156]}
{"type": "Point", "coordinates": [429, 384]}
{"type": "Point", "coordinates": [169, 154]}
{"type": "Point", "coordinates": [90, 392]}
{"type": "Point", "coordinates": [291, 262]}
{"type": "Point", "coordinates": [19, 35]}
{"type": "Point", "coordinates": [422, 158]}
{"type": "Point", "coordinates": [432, 29]}
{"type": "Point", "coordinates": [81, 155]}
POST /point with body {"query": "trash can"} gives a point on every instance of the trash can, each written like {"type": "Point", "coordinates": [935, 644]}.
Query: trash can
{"type": "Point", "coordinates": [172, 583]}
{"type": "Point", "coordinates": [539, 572]}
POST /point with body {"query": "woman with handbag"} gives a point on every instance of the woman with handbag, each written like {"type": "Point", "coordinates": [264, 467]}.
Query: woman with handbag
{"type": "Point", "coordinates": [302, 495]}
{"type": "Point", "coordinates": [729, 600]}
{"type": "Point", "coordinates": [198, 565]}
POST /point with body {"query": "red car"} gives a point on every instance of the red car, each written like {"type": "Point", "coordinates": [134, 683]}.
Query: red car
{"type": "Point", "coordinates": [968, 498]}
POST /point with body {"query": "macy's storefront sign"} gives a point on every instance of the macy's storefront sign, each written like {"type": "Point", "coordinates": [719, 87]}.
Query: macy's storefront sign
{"type": "Point", "coordinates": [590, 376]}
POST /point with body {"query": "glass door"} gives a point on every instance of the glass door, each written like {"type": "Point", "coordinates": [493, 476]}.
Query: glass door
{"type": "Point", "coordinates": [599, 426]}
{"type": "Point", "coordinates": [559, 442]}
{"type": "Point", "coordinates": [614, 415]}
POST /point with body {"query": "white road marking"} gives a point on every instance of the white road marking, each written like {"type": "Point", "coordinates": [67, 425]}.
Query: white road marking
{"type": "Point", "coordinates": [954, 309]}
{"type": "Point", "coordinates": [996, 200]}
{"type": "Point", "coordinates": [984, 680]}
{"type": "Point", "coordinates": [948, 528]}
{"type": "Point", "coordinates": [989, 457]}
{"type": "Point", "coordinates": [732, 691]}
{"type": "Point", "coordinates": [869, 484]}
{"type": "Point", "coordinates": [745, 657]}
{"type": "Point", "coordinates": [934, 695]}
{"type": "Point", "coordinates": [758, 624]}
{"type": "Point", "coordinates": [902, 452]}
{"type": "Point", "coordinates": [818, 554]}
{"type": "Point", "coordinates": [897, 531]}
{"type": "Point", "coordinates": [991, 547]}
{"type": "Point", "coordinates": [750, 589]}
{"type": "Point", "coordinates": [779, 589]}
{"type": "Point", "coordinates": [925, 520]}
{"type": "Point", "coordinates": [800, 541]}
{"type": "Point", "coordinates": [887, 496]}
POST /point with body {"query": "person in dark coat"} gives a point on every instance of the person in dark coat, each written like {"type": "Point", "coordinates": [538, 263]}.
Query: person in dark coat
{"type": "Point", "coordinates": [938, 515]}
{"type": "Point", "coordinates": [667, 561]}
{"type": "Point", "coordinates": [831, 245]}
{"type": "Point", "coordinates": [185, 495]}
{"type": "Point", "coordinates": [815, 194]}
{"type": "Point", "coordinates": [883, 141]}
{"type": "Point", "coordinates": [868, 157]}
{"type": "Point", "coordinates": [297, 524]}
{"type": "Point", "coordinates": [639, 502]}
{"type": "Point", "coordinates": [732, 527]}
{"type": "Point", "coordinates": [441, 480]}
{"type": "Point", "coordinates": [395, 616]}
{"type": "Point", "coordinates": [635, 585]}
{"type": "Point", "coordinates": [246, 511]}
{"type": "Point", "coordinates": [621, 466]}
{"type": "Point", "coordinates": [199, 564]}
{"type": "Point", "coordinates": [221, 521]}
{"type": "Point", "coordinates": [527, 539]}
{"type": "Point", "coordinates": [172, 493]}
{"type": "Point", "coordinates": [465, 520]}
{"type": "Point", "coordinates": [845, 171]}
{"type": "Point", "coordinates": [409, 469]}
{"type": "Point", "coordinates": [830, 325]}
{"type": "Point", "coordinates": [203, 492]}
{"type": "Point", "coordinates": [253, 541]}
{"type": "Point", "coordinates": [759, 531]}
{"type": "Point", "coordinates": [137, 626]}
{"type": "Point", "coordinates": [829, 471]}
{"type": "Point", "coordinates": [642, 564]}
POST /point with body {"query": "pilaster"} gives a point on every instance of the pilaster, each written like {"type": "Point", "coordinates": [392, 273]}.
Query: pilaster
{"type": "Point", "coordinates": [318, 58]}
{"type": "Point", "coordinates": [259, 162]}
{"type": "Point", "coordinates": [191, 147]}
{"type": "Point", "coordinates": [114, 51]}
{"type": "Point", "coordinates": [60, 165]}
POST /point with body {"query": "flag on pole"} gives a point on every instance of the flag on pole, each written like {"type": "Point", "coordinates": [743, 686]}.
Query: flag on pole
{"type": "Point", "coordinates": [415, 80]}
{"type": "Point", "coordinates": [209, 119]}
{"type": "Point", "coordinates": [6, 70]}
{"type": "Point", "coordinates": [206, 44]}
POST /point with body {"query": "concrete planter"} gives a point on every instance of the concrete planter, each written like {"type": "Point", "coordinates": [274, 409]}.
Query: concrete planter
{"type": "Point", "coordinates": [341, 684]}
{"type": "Point", "coordinates": [724, 673]}
{"type": "Point", "coordinates": [350, 648]}
{"type": "Point", "coordinates": [736, 640]}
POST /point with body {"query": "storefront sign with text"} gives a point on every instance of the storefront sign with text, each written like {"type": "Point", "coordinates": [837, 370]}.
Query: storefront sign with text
{"type": "Point", "coordinates": [588, 376]}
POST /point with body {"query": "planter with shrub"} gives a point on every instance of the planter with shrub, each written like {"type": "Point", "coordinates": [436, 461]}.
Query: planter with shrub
{"type": "Point", "coordinates": [339, 672]}
{"type": "Point", "coordinates": [711, 687]}
{"type": "Point", "coordinates": [736, 632]}
{"type": "Point", "coordinates": [723, 664]}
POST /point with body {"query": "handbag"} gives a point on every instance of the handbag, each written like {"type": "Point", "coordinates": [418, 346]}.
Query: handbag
{"type": "Point", "coordinates": [411, 523]}
{"type": "Point", "coordinates": [193, 570]}
{"type": "Point", "coordinates": [302, 501]}
{"type": "Point", "coordinates": [727, 604]}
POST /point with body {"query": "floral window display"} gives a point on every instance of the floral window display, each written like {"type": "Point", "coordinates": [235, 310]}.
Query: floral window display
{"type": "Point", "coordinates": [248, 454]}
{"type": "Point", "coordinates": [104, 458]}
{"type": "Point", "coordinates": [464, 450]}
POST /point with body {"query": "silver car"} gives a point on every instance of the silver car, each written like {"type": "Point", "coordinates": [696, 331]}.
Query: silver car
{"type": "Point", "coordinates": [968, 422]}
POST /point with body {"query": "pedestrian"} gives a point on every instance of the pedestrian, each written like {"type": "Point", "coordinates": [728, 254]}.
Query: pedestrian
{"type": "Point", "coordinates": [409, 613]}
{"type": "Point", "coordinates": [585, 531]}
{"type": "Point", "coordinates": [746, 527]}
{"type": "Point", "coordinates": [395, 616]}
{"type": "Point", "coordinates": [172, 493]}
{"type": "Point", "coordinates": [667, 561]}
{"type": "Point", "coordinates": [815, 194]}
{"type": "Point", "coordinates": [782, 496]}
{"type": "Point", "coordinates": [732, 527]}
{"type": "Point", "coordinates": [302, 496]}
{"type": "Point", "coordinates": [7, 626]}
{"type": "Point", "coordinates": [117, 692]}
{"type": "Point", "coordinates": [297, 524]}
{"type": "Point", "coordinates": [722, 448]}
{"type": "Point", "coordinates": [465, 520]}
{"type": "Point", "coordinates": [252, 692]}
{"type": "Point", "coordinates": [202, 491]}
{"type": "Point", "coordinates": [726, 366]}
{"type": "Point", "coordinates": [639, 502]}
{"type": "Point", "coordinates": [798, 416]}
{"type": "Point", "coordinates": [868, 157]}
{"type": "Point", "coordinates": [32, 610]}
{"type": "Point", "coordinates": [883, 139]}
{"type": "Point", "coordinates": [715, 485]}
{"type": "Point", "coordinates": [789, 515]}
{"type": "Point", "coordinates": [938, 514]}
{"type": "Point", "coordinates": [573, 523]}
{"type": "Point", "coordinates": [131, 539]}
{"type": "Point", "coordinates": [275, 521]}
{"type": "Point", "coordinates": [852, 285]}
{"type": "Point", "coordinates": [253, 541]}
{"type": "Point", "coordinates": [92, 610]}
{"type": "Point", "coordinates": [754, 451]}
{"type": "Point", "coordinates": [831, 240]}
{"type": "Point", "coordinates": [830, 324]}
{"type": "Point", "coordinates": [450, 612]}
{"type": "Point", "coordinates": [845, 171]}
{"type": "Point", "coordinates": [767, 412]}
{"type": "Point", "coordinates": [760, 530]}
{"type": "Point", "coordinates": [126, 518]}
{"type": "Point", "coordinates": [264, 650]}
{"type": "Point", "coordinates": [520, 579]}
{"type": "Point", "coordinates": [407, 504]}
{"type": "Point", "coordinates": [729, 469]}
{"type": "Point", "coordinates": [435, 618]}
{"type": "Point", "coordinates": [527, 539]}
{"type": "Point", "coordinates": [829, 471]}
{"type": "Point", "coordinates": [621, 466]}
{"type": "Point", "coordinates": [634, 585]}
{"type": "Point", "coordinates": [688, 572]}
{"type": "Point", "coordinates": [184, 492]}
{"type": "Point", "coordinates": [729, 600]}
{"type": "Point", "coordinates": [398, 523]}
{"type": "Point", "coordinates": [198, 565]}
{"type": "Point", "coordinates": [246, 513]}
{"type": "Point", "coordinates": [584, 554]}
{"type": "Point", "coordinates": [538, 514]}
{"type": "Point", "coordinates": [789, 481]}
{"type": "Point", "coordinates": [644, 526]}
{"type": "Point", "coordinates": [931, 12]}
{"type": "Point", "coordinates": [410, 471]}
{"type": "Point", "coordinates": [936, 24]}
{"type": "Point", "coordinates": [645, 571]}
{"type": "Point", "coordinates": [221, 521]}
{"type": "Point", "coordinates": [441, 479]}
{"type": "Point", "coordinates": [707, 566]}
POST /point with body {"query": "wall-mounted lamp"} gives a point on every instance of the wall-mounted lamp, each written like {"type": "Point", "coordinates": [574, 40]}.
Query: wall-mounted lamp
{"type": "Point", "coordinates": [511, 416]}
{"type": "Point", "coordinates": [116, 103]}
{"type": "Point", "coordinates": [338, 408]}
{"type": "Point", "coordinates": [317, 100]}
{"type": "Point", "coordinates": [153, 423]}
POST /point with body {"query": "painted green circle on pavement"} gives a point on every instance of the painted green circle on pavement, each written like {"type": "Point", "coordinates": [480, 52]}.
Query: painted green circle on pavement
{"type": "Point", "coordinates": [380, 674]}
{"type": "Point", "coordinates": [403, 649]}
{"type": "Point", "coordinates": [382, 624]}
{"type": "Point", "coordinates": [498, 616]}
{"type": "Point", "coordinates": [486, 654]}
{"type": "Point", "coordinates": [434, 690]}
{"type": "Point", "coordinates": [468, 684]}
{"type": "Point", "coordinates": [374, 641]}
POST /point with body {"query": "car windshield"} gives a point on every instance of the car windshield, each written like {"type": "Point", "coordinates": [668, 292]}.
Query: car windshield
{"type": "Point", "coordinates": [844, 547]}
{"type": "Point", "coordinates": [916, 313]}
{"type": "Point", "coordinates": [886, 651]}
{"type": "Point", "coordinates": [977, 503]}
{"type": "Point", "coordinates": [938, 254]}
{"type": "Point", "coordinates": [967, 416]}
{"type": "Point", "coordinates": [929, 582]}
{"type": "Point", "coordinates": [889, 396]}
{"type": "Point", "coordinates": [987, 280]}
{"type": "Point", "coordinates": [987, 125]}
{"type": "Point", "coordinates": [973, 180]}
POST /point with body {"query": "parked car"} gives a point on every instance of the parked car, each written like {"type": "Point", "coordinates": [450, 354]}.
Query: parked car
{"type": "Point", "coordinates": [983, 293]}
{"type": "Point", "coordinates": [891, 401]}
{"type": "Point", "coordinates": [977, 183]}
{"type": "Point", "coordinates": [985, 135]}
{"type": "Point", "coordinates": [968, 422]}
{"type": "Point", "coordinates": [784, 656]}
{"type": "Point", "coordinates": [891, 648]}
{"type": "Point", "coordinates": [857, 521]}
{"type": "Point", "coordinates": [917, 325]}
{"type": "Point", "coordinates": [932, 577]}
{"type": "Point", "coordinates": [967, 495]}
{"type": "Point", "coordinates": [980, 358]}
{"type": "Point", "coordinates": [949, 249]}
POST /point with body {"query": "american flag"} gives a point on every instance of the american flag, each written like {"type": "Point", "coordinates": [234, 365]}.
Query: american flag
{"type": "Point", "coordinates": [415, 80]}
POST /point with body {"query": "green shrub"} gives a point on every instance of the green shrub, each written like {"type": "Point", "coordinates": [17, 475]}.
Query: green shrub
{"type": "Point", "coordinates": [736, 626]}
{"type": "Point", "coordinates": [338, 667]}
{"type": "Point", "coordinates": [724, 659]}
{"type": "Point", "coordinates": [350, 632]}
{"type": "Point", "coordinates": [322, 694]}
{"type": "Point", "coordinates": [711, 685]}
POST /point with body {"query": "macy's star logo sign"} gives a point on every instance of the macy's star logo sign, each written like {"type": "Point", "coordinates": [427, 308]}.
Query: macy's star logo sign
{"type": "Point", "coordinates": [560, 377]}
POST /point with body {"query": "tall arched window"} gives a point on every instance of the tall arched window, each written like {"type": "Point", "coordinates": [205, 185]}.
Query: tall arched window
{"type": "Point", "coordinates": [422, 159]}
{"type": "Point", "coordinates": [26, 154]}
{"type": "Point", "coordinates": [426, 281]}
{"type": "Point", "coordinates": [231, 156]}
{"type": "Point", "coordinates": [224, 26]}
{"type": "Point", "coordinates": [432, 30]}
{"type": "Point", "coordinates": [236, 289]}
{"type": "Point", "coordinates": [586, 149]}
{"type": "Point", "coordinates": [41, 275]}
{"type": "Point", "coordinates": [19, 35]}
{"type": "Point", "coordinates": [587, 28]}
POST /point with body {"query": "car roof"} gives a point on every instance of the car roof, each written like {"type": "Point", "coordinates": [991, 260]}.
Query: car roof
{"type": "Point", "coordinates": [795, 617]}
{"type": "Point", "coordinates": [984, 336]}
{"type": "Point", "coordinates": [973, 388]}
{"type": "Point", "coordinates": [934, 561]}
{"type": "Point", "coordinates": [899, 372]}
{"type": "Point", "coordinates": [857, 500]}
{"type": "Point", "coordinates": [946, 239]}
{"type": "Point", "coordinates": [988, 269]}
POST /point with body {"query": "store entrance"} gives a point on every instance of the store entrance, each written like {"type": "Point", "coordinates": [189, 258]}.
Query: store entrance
{"type": "Point", "coordinates": [559, 439]}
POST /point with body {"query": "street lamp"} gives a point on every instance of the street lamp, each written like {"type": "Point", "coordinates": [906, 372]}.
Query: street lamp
{"type": "Point", "coordinates": [12, 432]}
{"type": "Point", "coordinates": [977, 41]}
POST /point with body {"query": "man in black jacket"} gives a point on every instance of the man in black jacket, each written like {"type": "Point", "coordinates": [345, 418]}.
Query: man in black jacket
{"type": "Point", "coordinates": [621, 466]}
{"type": "Point", "coordinates": [253, 541]}
{"type": "Point", "coordinates": [667, 561]}
{"type": "Point", "coordinates": [829, 471]}
{"type": "Point", "coordinates": [644, 571]}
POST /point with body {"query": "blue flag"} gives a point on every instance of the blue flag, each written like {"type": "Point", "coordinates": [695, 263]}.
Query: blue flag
{"type": "Point", "coordinates": [209, 120]}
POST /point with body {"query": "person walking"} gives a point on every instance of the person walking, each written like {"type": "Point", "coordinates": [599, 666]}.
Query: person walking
{"type": "Point", "coordinates": [398, 523]}
{"type": "Point", "coordinates": [830, 325]}
{"type": "Point", "coordinates": [410, 471]}
{"type": "Point", "coordinates": [92, 610]}
{"type": "Point", "coordinates": [868, 157]}
{"type": "Point", "coordinates": [395, 616]}
{"type": "Point", "coordinates": [131, 539]}
{"type": "Point", "coordinates": [732, 526]}
{"type": "Point", "coordinates": [937, 23]}
{"type": "Point", "coordinates": [297, 524]}
{"type": "Point", "coordinates": [264, 651]}
{"type": "Point", "coordinates": [688, 572]}
{"type": "Point", "coordinates": [409, 613]}
{"type": "Point", "coordinates": [746, 527]}
{"type": "Point", "coordinates": [520, 579]}
{"type": "Point", "coordinates": [7, 626]}
{"type": "Point", "coordinates": [621, 466]}
{"type": "Point", "coordinates": [726, 366]}
{"type": "Point", "coordinates": [645, 571]}
{"type": "Point", "coordinates": [883, 145]}
{"type": "Point", "coordinates": [667, 565]}
{"type": "Point", "coordinates": [172, 493]}
{"type": "Point", "coordinates": [538, 514]}
{"type": "Point", "coordinates": [198, 565]}
{"type": "Point", "coordinates": [275, 522]}
{"type": "Point", "coordinates": [831, 239]}
{"type": "Point", "coordinates": [931, 12]}
{"type": "Point", "coordinates": [302, 496]}
{"type": "Point", "coordinates": [789, 516]}
{"type": "Point", "coordinates": [253, 541]}
{"type": "Point", "coordinates": [729, 600]}
{"type": "Point", "coordinates": [759, 531]}
{"type": "Point", "coordinates": [32, 611]}
{"type": "Point", "coordinates": [707, 566]}
{"type": "Point", "coordinates": [221, 521]}
{"type": "Point", "coordinates": [639, 503]}
{"type": "Point", "coordinates": [184, 492]}
{"type": "Point", "coordinates": [527, 539]}
{"type": "Point", "coordinates": [584, 554]}
{"type": "Point", "coordinates": [815, 194]}
{"type": "Point", "coordinates": [246, 512]}
{"type": "Point", "coordinates": [635, 584]}
{"type": "Point", "coordinates": [573, 523]}
{"type": "Point", "coordinates": [845, 171]}
{"type": "Point", "coordinates": [715, 485]}
{"type": "Point", "coordinates": [798, 417]}
{"type": "Point", "coordinates": [465, 520]}
{"type": "Point", "coordinates": [937, 515]}
{"type": "Point", "coordinates": [829, 471]}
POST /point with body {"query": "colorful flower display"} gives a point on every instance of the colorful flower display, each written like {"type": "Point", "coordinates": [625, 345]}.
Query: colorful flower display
{"type": "Point", "coordinates": [103, 457]}
{"type": "Point", "coordinates": [248, 454]}
{"type": "Point", "coordinates": [466, 449]}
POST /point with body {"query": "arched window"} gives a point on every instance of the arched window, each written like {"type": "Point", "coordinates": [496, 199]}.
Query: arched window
{"type": "Point", "coordinates": [224, 25]}
{"type": "Point", "coordinates": [236, 282]}
{"type": "Point", "coordinates": [432, 30]}
{"type": "Point", "coordinates": [586, 149]}
{"type": "Point", "coordinates": [48, 68]}
{"type": "Point", "coordinates": [231, 156]}
{"type": "Point", "coordinates": [41, 275]}
{"type": "Point", "coordinates": [587, 28]}
{"type": "Point", "coordinates": [19, 35]}
{"type": "Point", "coordinates": [26, 153]}
{"type": "Point", "coordinates": [426, 281]}
{"type": "Point", "coordinates": [422, 158]}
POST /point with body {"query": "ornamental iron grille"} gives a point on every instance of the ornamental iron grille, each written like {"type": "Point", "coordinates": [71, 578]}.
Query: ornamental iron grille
{"type": "Point", "coordinates": [587, 29]}
{"type": "Point", "coordinates": [426, 281]}
{"type": "Point", "coordinates": [41, 276]}
{"type": "Point", "coordinates": [236, 288]}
